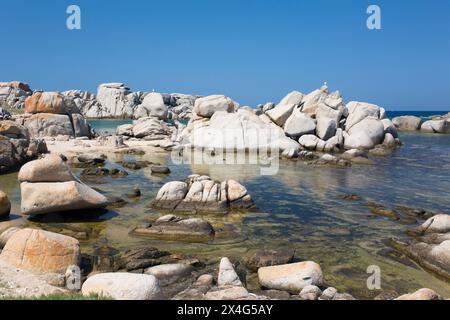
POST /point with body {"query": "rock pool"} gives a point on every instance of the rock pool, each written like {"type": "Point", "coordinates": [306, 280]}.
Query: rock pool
{"type": "Point", "coordinates": [301, 208]}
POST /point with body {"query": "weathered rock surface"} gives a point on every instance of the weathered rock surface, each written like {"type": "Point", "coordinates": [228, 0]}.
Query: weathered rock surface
{"type": "Point", "coordinates": [115, 100]}
{"type": "Point", "coordinates": [123, 286]}
{"type": "Point", "coordinates": [41, 251]}
{"type": "Point", "coordinates": [227, 274]}
{"type": "Point", "coordinates": [291, 277]}
{"type": "Point", "coordinates": [13, 94]}
{"type": "Point", "coordinates": [50, 102]}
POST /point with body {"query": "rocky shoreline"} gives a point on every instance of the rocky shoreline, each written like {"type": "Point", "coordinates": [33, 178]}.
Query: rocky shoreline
{"type": "Point", "coordinates": [53, 135]}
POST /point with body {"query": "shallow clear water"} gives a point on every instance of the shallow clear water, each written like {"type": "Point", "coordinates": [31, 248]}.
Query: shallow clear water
{"type": "Point", "coordinates": [104, 126]}
{"type": "Point", "coordinates": [298, 208]}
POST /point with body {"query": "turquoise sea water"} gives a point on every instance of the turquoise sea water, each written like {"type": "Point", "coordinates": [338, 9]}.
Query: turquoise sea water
{"type": "Point", "coordinates": [107, 126]}
{"type": "Point", "coordinates": [299, 207]}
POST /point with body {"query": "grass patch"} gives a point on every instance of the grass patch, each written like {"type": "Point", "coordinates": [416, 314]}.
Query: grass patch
{"type": "Point", "coordinates": [67, 296]}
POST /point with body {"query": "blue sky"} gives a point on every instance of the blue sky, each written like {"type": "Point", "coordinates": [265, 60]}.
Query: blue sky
{"type": "Point", "coordinates": [252, 50]}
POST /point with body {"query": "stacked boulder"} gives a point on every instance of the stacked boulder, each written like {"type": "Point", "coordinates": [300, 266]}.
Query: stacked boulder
{"type": "Point", "coordinates": [47, 185]}
{"type": "Point", "coordinates": [13, 94]}
{"type": "Point", "coordinates": [16, 146]}
{"type": "Point", "coordinates": [50, 114]}
{"type": "Point", "coordinates": [319, 121]}
{"type": "Point", "coordinates": [202, 194]}
{"type": "Point", "coordinates": [180, 105]}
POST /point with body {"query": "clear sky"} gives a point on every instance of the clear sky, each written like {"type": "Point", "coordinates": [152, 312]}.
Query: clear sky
{"type": "Point", "coordinates": [251, 50]}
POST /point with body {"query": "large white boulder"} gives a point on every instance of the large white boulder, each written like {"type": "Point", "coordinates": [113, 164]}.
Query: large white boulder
{"type": "Point", "coordinates": [358, 111]}
{"type": "Point", "coordinates": [281, 113]}
{"type": "Point", "coordinates": [51, 168]}
{"type": "Point", "coordinates": [293, 97]}
{"type": "Point", "coordinates": [153, 106]}
{"type": "Point", "coordinates": [47, 197]}
{"type": "Point", "coordinates": [299, 124]}
{"type": "Point", "coordinates": [312, 100]}
{"type": "Point", "coordinates": [123, 286]}
{"type": "Point", "coordinates": [207, 106]}
{"type": "Point", "coordinates": [366, 134]}
{"type": "Point", "coordinates": [240, 131]}
{"type": "Point", "coordinates": [326, 128]}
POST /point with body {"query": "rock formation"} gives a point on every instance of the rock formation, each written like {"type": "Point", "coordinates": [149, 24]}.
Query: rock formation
{"type": "Point", "coordinates": [47, 185]}
{"type": "Point", "coordinates": [202, 194]}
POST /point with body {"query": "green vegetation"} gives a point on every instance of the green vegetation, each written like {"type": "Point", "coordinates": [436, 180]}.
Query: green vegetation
{"type": "Point", "coordinates": [67, 296]}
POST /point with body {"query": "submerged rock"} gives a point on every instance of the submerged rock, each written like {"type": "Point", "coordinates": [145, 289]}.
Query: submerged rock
{"type": "Point", "coordinates": [265, 258]}
{"type": "Point", "coordinates": [123, 286]}
{"type": "Point", "coordinates": [171, 227]}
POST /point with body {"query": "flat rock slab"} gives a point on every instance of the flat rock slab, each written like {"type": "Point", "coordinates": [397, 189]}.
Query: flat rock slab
{"type": "Point", "coordinates": [170, 227]}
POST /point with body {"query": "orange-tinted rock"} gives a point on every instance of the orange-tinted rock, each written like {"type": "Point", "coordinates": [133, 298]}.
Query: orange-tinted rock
{"type": "Point", "coordinates": [41, 251]}
{"type": "Point", "coordinates": [45, 102]}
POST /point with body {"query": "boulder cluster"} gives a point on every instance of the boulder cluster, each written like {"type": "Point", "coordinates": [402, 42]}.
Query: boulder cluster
{"type": "Point", "coordinates": [318, 121]}
{"type": "Point", "coordinates": [51, 114]}
{"type": "Point", "coordinates": [437, 124]}
{"type": "Point", "coordinates": [115, 100]}
{"type": "Point", "coordinates": [13, 94]}
{"type": "Point", "coordinates": [202, 194]}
